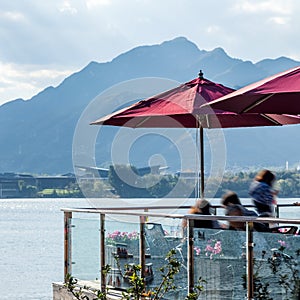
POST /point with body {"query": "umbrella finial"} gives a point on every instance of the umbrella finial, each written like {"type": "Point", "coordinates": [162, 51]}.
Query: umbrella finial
{"type": "Point", "coordinates": [201, 74]}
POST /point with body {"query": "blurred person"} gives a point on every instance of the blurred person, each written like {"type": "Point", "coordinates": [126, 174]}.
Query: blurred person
{"type": "Point", "coordinates": [262, 193]}
{"type": "Point", "coordinates": [230, 199]}
{"type": "Point", "coordinates": [233, 206]}
{"type": "Point", "coordinates": [203, 207]}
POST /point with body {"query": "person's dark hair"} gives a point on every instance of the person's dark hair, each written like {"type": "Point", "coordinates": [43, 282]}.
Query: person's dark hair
{"type": "Point", "coordinates": [203, 206]}
{"type": "Point", "coordinates": [230, 197]}
{"type": "Point", "coordinates": [265, 176]}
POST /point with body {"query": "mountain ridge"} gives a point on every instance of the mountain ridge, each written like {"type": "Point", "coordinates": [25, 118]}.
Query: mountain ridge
{"type": "Point", "coordinates": [37, 133]}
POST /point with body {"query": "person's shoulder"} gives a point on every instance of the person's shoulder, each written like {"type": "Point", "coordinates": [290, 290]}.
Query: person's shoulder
{"type": "Point", "coordinates": [239, 209]}
{"type": "Point", "coordinates": [257, 186]}
{"type": "Point", "coordinates": [194, 210]}
{"type": "Point", "coordinates": [264, 187]}
{"type": "Point", "coordinates": [250, 213]}
{"type": "Point", "coordinates": [216, 225]}
{"type": "Point", "coordinates": [235, 209]}
{"type": "Point", "coordinates": [254, 185]}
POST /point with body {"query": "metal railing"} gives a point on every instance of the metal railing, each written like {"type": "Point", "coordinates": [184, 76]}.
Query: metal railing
{"type": "Point", "coordinates": [144, 215]}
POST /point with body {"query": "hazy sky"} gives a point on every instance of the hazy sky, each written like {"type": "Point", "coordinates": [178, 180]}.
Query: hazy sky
{"type": "Point", "coordinates": [43, 41]}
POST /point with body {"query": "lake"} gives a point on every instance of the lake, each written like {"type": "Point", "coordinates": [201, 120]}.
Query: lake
{"type": "Point", "coordinates": [31, 234]}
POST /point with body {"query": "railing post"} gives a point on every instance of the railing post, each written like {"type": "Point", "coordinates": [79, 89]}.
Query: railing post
{"type": "Point", "coordinates": [250, 246]}
{"type": "Point", "coordinates": [67, 244]}
{"type": "Point", "coordinates": [201, 162]}
{"type": "Point", "coordinates": [142, 246]}
{"type": "Point", "coordinates": [277, 211]}
{"type": "Point", "coordinates": [102, 252]}
{"type": "Point", "coordinates": [190, 255]}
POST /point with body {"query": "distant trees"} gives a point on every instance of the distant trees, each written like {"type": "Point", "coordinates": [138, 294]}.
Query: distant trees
{"type": "Point", "coordinates": [161, 185]}
{"type": "Point", "coordinates": [287, 182]}
{"type": "Point", "coordinates": [128, 184]}
{"type": "Point", "coordinates": [27, 190]}
{"type": "Point", "coordinates": [125, 182]}
{"type": "Point", "coordinates": [95, 188]}
{"type": "Point", "coordinates": [157, 186]}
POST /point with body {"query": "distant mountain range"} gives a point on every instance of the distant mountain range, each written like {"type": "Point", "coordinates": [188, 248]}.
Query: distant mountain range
{"type": "Point", "coordinates": [36, 135]}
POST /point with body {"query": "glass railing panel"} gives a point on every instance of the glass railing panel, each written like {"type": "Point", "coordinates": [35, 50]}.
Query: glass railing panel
{"type": "Point", "coordinates": [121, 250]}
{"type": "Point", "coordinates": [161, 239]}
{"type": "Point", "coordinates": [219, 261]}
{"type": "Point", "coordinates": [85, 249]}
{"type": "Point", "coordinates": [276, 265]}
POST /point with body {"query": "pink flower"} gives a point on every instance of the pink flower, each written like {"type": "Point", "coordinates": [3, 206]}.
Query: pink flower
{"type": "Point", "coordinates": [212, 250]}
{"type": "Point", "coordinates": [282, 243]}
{"type": "Point", "coordinates": [122, 236]}
{"type": "Point", "coordinates": [209, 248]}
{"type": "Point", "coordinates": [198, 250]}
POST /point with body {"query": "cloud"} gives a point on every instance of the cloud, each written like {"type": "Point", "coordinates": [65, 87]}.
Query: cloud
{"type": "Point", "coordinates": [94, 3]}
{"type": "Point", "coordinates": [66, 7]}
{"type": "Point", "coordinates": [279, 20]}
{"type": "Point", "coordinates": [28, 79]}
{"type": "Point", "coordinates": [13, 16]}
{"type": "Point", "coordinates": [65, 35]}
{"type": "Point", "coordinates": [213, 29]}
{"type": "Point", "coordinates": [258, 6]}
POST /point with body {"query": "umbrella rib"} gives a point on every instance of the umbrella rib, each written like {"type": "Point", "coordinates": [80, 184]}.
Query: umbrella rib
{"type": "Point", "coordinates": [256, 103]}
{"type": "Point", "coordinates": [270, 119]}
{"type": "Point", "coordinates": [207, 121]}
{"type": "Point", "coordinates": [142, 122]}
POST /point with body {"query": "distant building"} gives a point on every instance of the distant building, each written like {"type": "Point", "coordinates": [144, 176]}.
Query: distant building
{"type": "Point", "coordinates": [188, 174]}
{"type": "Point", "coordinates": [54, 182]}
{"type": "Point", "coordinates": [91, 172]}
{"type": "Point", "coordinates": [11, 184]}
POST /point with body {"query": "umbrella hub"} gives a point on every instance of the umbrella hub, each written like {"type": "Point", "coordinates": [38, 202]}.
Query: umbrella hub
{"type": "Point", "coordinates": [201, 75]}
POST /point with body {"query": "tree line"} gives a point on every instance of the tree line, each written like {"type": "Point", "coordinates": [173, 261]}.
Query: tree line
{"type": "Point", "coordinates": [124, 182]}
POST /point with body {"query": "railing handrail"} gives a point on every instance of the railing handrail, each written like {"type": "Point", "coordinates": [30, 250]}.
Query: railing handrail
{"type": "Point", "coordinates": [242, 219]}
{"type": "Point", "coordinates": [109, 211]}
{"type": "Point", "coordinates": [168, 206]}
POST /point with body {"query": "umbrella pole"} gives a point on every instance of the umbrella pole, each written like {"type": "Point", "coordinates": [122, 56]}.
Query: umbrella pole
{"type": "Point", "coordinates": [201, 162]}
{"type": "Point", "coordinates": [197, 163]}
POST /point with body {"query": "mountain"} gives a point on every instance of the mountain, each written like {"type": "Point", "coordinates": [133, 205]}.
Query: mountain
{"type": "Point", "coordinates": [37, 134]}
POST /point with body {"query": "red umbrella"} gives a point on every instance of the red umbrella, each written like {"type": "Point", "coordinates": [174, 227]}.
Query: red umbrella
{"type": "Point", "coordinates": [278, 94]}
{"type": "Point", "coordinates": [181, 107]}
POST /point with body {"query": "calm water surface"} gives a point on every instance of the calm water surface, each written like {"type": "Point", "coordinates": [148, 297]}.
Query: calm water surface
{"type": "Point", "coordinates": [31, 245]}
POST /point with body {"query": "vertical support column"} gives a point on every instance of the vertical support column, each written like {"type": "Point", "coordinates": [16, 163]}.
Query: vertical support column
{"type": "Point", "coordinates": [250, 246]}
{"type": "Point", "coordinates": [277, 211]}
{"type": "Point", "coordinates": [190, 252]}
{"type": "Point", "coordinates": [142, 245]}
{"type": "Point", "coordinates": [67, 244]}
{"type": "Point", "coordinates": [102, 252]}
{"type": "Point", "coordinates": [201, 162]}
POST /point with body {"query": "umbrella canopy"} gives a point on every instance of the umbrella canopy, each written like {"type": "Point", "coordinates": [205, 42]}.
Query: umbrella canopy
{"type": "Point", "coordinates": [182, 104]}
{"type": "Point", "coordinates": [181, 107]}
{"type": "Point", "coordinates": [278, 94]}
